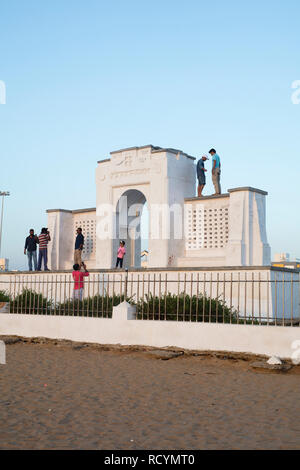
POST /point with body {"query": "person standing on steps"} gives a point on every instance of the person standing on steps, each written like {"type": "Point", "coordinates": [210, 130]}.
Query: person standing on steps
{"type": "Point", "coordinates": [216, 171]}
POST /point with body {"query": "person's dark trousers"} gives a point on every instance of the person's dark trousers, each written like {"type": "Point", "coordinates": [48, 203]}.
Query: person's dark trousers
{"type": "Point", "coordinates": [119, 261]}
{"type": "Point", "coordinates": [31, 255]}
{"type": "Point", "coordinates": [42, 255]}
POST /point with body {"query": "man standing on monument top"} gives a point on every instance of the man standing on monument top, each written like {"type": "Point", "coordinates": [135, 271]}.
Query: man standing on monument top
{"type": "Point", "coordinates": [216, 171]}
{"type": "Point", "coordinates": [201, 174]}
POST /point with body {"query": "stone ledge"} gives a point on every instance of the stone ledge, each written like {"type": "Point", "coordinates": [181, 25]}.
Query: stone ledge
{"type": "Point", "coordinates": [157, 270]}
{"type": "Point", "coordinates": [205, 198]}
{"type": "Point", "coordinates": [248, 188]}
{"type": "Point", "coordinates": [153, 148]}
{"type": "Point", "coordinates": [75, 211]}
{"type": "Point", "coordinates": [265, 367]}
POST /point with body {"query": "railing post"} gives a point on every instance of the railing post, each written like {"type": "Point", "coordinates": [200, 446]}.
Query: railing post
{"type": "Point", "coordinates": [126, 285]}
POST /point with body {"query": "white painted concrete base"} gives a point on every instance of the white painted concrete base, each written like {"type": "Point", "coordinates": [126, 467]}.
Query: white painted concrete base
{"type": "Point", "coordinates": [270, 341]}
{"type": "Point", "coordinates": [2, 353]}
{"type": "Point", "coordinates": [124, 311]}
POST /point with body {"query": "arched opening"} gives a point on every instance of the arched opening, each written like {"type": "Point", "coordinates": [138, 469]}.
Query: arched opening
{"type": "Point", "coordinates": [132, 226]}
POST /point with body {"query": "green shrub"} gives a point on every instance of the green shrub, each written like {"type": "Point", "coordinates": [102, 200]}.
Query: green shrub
{"type": "Point", "coordinates": [170, 307]}
{"type": "Point", "coordinates": [4, 296]}
{"type": "Point", "coordinates": [31, 302]}
{"type": "Point", "coordinates": [96, 306]}
{"type": "Point", "coordinates": [185, 308]}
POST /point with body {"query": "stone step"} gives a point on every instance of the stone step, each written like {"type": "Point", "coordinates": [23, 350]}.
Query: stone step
{"type": "Point", "coordinates": [265, 367]}
{"type": "Point", "coordinates": [163, 354]}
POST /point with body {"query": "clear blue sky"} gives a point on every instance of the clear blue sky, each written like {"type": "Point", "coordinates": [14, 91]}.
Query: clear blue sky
{"type": "Point", "coordinates": [86, 78]}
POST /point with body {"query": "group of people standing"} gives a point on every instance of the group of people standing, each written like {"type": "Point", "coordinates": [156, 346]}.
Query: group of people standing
{"type": "Point", "coordinates": [31, 243]}
{"type": "Point", "coordinates": [216, 172]}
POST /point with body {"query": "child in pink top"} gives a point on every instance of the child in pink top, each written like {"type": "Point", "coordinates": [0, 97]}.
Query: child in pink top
{"type": "Point", "coordinates": [121, 254]}
{"type": "Point", "coordinates": [78, 277]}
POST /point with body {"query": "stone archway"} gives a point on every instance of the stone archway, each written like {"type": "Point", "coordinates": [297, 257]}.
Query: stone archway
{"type": "Point", "coordinates": [164, 177]}
{"type": "Point", "coordinates": [128, 217]}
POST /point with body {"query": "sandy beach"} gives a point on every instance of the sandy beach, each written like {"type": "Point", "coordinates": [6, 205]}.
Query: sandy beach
{"type": "Point", "coordinates": [64, 397]}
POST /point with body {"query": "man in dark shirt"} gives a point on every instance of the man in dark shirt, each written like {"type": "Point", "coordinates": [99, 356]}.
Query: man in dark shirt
{"type": "Point", "coordinates": [79, 242]}
{"type": "Point", "coordinates": [30, 245]}
{"type": "Point", "coordinates": [201, 174]}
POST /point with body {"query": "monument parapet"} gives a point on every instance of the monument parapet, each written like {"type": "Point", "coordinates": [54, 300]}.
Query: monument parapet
{"type": "Point", "coordinates": [62, 225]}
{"type": "Point", "coordinates": [226, 230]}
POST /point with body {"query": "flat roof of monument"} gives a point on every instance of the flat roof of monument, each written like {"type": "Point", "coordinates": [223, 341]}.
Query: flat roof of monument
{"type": "Point", "coordinates": [248, 188]}
{"type": "Point", "coordinates": [233, 190]}
{"type": "Point", "coordinates": [205, 198]}
{"type": "Point", "coordinates": [154, 149]}
{"type": "Point", "coordinates": [75, 211]}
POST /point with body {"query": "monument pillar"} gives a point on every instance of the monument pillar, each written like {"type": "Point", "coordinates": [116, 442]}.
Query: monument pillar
{"type": "Point", "coordinates": [247, 241]}
{"type": "Point", "coordinates": [61, 246]}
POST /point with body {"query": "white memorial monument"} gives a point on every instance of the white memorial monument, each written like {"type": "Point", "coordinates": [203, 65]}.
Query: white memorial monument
{"type": "Point", "coordinates": [184, 231]}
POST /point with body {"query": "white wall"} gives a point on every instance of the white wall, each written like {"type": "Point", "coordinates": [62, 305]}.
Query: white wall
{"type": "Point", "coordinates": [228, 230]}
{"type": "Point", "coordinates": [207, 231]}
{"type": "Point", "coordinates": [62, 225]}
{"type": "Point", "coordinates": [194, 336]}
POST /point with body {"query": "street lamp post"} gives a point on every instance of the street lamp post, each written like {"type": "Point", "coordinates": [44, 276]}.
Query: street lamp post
{"type": "Point", "coordinates": [3, 194]}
